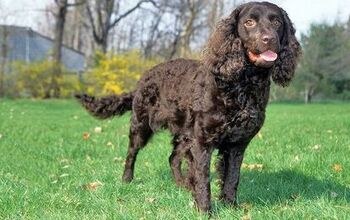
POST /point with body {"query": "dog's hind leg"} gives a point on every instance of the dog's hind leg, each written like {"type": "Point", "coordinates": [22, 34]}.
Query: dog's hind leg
{"type": "Point", "coordinates": [180, 147]}
{"type": "Point", "coordinates": [140, 133]}
{"type": "Point", "coordinates": [175, 161]}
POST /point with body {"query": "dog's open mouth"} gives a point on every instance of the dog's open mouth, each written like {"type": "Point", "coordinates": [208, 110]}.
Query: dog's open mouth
{"type": "Point", "coordinates": [264, 59]}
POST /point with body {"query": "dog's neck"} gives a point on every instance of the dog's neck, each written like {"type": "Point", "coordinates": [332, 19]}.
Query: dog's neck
{"type": "Point", "coordinates": [249, 75]}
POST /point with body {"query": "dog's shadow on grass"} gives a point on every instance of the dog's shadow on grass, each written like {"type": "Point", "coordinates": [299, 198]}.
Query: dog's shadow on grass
{"type": "Point", "coordinates": [272, 188]}
{"type": "Point", "coordinates": [282, 187]}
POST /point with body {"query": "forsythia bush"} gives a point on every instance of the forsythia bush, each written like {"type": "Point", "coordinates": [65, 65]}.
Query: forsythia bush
{"type": "Point", "coordinates": [34, 80]}
{"type": "Point", "coordinates": [111, 74]}
{"type": "Point", "coordinates": [116, 73]}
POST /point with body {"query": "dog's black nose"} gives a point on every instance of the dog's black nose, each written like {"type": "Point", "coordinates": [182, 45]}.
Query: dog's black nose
{"type": "Point", "coordinates": [267, 39]}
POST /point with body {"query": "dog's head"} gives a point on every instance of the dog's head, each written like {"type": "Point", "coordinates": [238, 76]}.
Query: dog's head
{"type": "Point", "coordinates": [259, 33]}
{"type": "Point", "coordinates": [260, 28]}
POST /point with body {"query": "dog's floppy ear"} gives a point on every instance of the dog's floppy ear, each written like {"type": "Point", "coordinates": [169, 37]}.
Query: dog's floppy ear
{"type": "Point", "coordinates": [283, 70]}
{"type": "Point", "coordinates": [224, 53]}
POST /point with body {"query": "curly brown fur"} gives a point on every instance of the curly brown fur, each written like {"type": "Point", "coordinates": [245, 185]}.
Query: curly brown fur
{"type": "Point", "coordinates": [106, 107]}
{"type": "Point", "coordinates": [218, 102]}
{"type": "Point", "coordinates": [283, 70]}
{"type": "Point", "coordinates": [224, 54]}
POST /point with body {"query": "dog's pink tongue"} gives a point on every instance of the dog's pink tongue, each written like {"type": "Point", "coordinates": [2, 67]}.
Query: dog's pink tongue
{"type": "Point", "coordinates": [269, 56]}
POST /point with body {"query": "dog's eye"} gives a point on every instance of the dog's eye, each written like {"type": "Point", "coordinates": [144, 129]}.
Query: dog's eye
{"type": "Point", "coordinates": [276, 23]}
{"type": "Point", "coordinates": [250, 23]}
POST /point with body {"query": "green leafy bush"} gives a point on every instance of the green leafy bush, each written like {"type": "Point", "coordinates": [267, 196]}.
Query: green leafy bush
{"type": "Point", "coordinates": [34, 80]}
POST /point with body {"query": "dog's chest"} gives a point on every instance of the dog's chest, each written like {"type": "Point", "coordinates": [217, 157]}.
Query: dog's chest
{"type": "Point", "coordinates": [245, 111]}
{"type": "Point", "coordinates": [244, 125]}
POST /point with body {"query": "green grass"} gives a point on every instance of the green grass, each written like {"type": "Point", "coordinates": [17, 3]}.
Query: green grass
{"type": "Point", "coordinates": [45, 166]}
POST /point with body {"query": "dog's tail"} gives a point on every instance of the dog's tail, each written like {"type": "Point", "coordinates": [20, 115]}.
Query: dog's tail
{"type": "Point", "coordinates": [106, 107]}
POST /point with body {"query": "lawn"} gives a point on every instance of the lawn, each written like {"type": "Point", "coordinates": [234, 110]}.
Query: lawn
{"type": "Point", "coordinates": [55, 164]}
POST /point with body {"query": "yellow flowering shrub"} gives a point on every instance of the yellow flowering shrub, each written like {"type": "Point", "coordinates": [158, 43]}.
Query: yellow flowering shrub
{"type": "Point", "coordinates": [115, 74]}
{"type": "Point", "coordinates": [34, 80]}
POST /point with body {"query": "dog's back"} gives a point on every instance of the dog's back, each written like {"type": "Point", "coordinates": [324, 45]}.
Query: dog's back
{"type": "Point", "coordinates": [165, 92]}
{"type": "Point", "coordinates": [161, 97]}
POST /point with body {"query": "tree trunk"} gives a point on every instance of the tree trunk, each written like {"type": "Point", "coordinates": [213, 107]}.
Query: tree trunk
{"type": "Point", "coordinates": [308, 95]}
{"type": "Point", "coordinates": [62, 7]}
{"type": "Point", "coordinates": [186, 36]}
{"type": "Point", "coordinates": [150, 43]}
{"type": "Point", "coordinates": [185, 49]}
{"type": "Point", "coordinates": [3, 60]}
{"type": "Point", "coordinates": [57, 47]}
{"type": "Point", "coordinates": [105, 19]}
{"type": "Point", "coordinates": [59, 30]}
{"type": "Point", "coordinates": [102, 44]}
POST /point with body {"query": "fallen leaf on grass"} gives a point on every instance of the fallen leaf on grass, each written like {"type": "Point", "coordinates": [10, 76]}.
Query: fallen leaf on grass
{"type": "Point", "coordinates": [297, 158]}
{"type": "Point", "coordinates": [93, 186]}
{"type": "Point", "coordinates": [191, 203]}
{"type": "Point", "coordinates": [150, 200]}
{"type": "Point", "coordinates": [0, 136]}
{"type": "Point", "coordinates": [334, 194]}
{"type": "Point", "coordinates": [260, 135]}
{"type": "Point", "coordinates": [252, 166]}
{"type": "Point", "coordinates": [246, 206]}
{"type": "Point", "coordinates": [98, 130]}
{"type": "Point", "coordinates": [86, 135]}
{"type": "Point", "coordinates": [316, 147]}
{"type": "Point", "coordinates": [75, 117]}
{"type": "Point", "coordinates": [329, 131]}
{"type": "Point", "coordinates": [120, 200]}
{"type": "Point", "coordinates": [337, 168]}
{"type": "Point", "coordinates": [246, 217]}
{"type": "Point", "coordinates": [110, 144]}
{"type": "Point", "coordinates": [64, 161]}
{"type": "Point", "coordinates": [118, 159]}
{"type": "Point", "coordinates": [88, 158]}
{"type": "Point", "coordinates": [294, 196]}
{"type": "Point", "coordinates": [64, 175]}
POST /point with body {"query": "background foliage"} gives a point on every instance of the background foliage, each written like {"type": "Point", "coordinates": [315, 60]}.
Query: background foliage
{"type": "Point", "coordinates": [324, 70]}
{"type": "Point", "coordinates": [34, 80]}
{"type": "Point", "coordinates": [116, 73]}
{"type": "Point", "coordinates": [323, 73]}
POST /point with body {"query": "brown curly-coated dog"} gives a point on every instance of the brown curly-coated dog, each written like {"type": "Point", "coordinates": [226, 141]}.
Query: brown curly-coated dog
{"type": "Point", "coordinates": [217, 102]}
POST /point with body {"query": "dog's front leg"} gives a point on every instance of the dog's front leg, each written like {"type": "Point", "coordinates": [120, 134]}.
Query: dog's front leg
{"type": "Point", "coordinates": [229, 171]}
{"type": "Point", "coordinates": [200, 166]}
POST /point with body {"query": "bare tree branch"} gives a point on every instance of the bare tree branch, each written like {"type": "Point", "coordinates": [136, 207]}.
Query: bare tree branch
{"type": "Point", "coordinates": [92, 23]}
{"type": "Point", "coordinates": [118, 19]}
